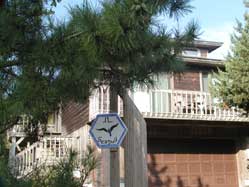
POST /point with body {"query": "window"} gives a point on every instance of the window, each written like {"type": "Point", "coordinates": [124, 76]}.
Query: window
{"type": "Point", "coordinates": [51, 119]}
{"type": "Point", "coordinates": [154, 99]}
{"type": "Point", "coordinates": [191, 52]}
{"type": "Point", "coordinates": [162, 81]}
{"type": "Point", "coordinates": [160, 97]}
{"type": "Point", "coordinates": [205, 82]}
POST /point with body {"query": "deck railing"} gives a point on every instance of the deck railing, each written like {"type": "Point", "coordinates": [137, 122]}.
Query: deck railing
{"type": "Point", "coordinates": [23, 126]}
{"type": "Point", "coordinates": [48, 151]}
{"type": "Point", "coordinates": [100, 102]}
{"type": "Point", "coordinates": [170, 104]}
{"type": "Point", "coordinates": [20, 128]}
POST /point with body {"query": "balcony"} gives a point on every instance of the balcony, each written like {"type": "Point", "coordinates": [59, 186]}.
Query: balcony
{"type": "Point", "coordinates": [20, 128]}
{"type": "Point", "coordinates": [48, 151]}
{"type": "Point", "coordinates": [24, 125]}
{"type": "Point", "coordinates": [170, 104]}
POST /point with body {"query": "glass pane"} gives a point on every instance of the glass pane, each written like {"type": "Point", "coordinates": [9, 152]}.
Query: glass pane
{"type": "Point", "coordinates": [190, 52]}
{"type": "Point", "coordinates": [205, 82]}
{"type": "Point", "coordinates": [162, 81]}
{"type": "Point", "coordinates": [51, 119]}
{"type": "Point", "coordinates": [153, 102]}
{"type": "Point", "coordinates": [160, 102]}
{"type": "Point", "coordinates": [160, 97]}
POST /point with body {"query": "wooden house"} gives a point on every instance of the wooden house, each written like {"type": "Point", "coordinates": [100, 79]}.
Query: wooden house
{"type": "Point", "coordinates": [192, 140]}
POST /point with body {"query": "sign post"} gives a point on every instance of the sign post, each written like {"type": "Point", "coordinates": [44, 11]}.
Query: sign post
{"type": "Point", "coordinates": [108, 132]}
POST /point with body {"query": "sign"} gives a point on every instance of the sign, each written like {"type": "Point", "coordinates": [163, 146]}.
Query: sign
{"type": "Point", "coordinates": [108, 130]}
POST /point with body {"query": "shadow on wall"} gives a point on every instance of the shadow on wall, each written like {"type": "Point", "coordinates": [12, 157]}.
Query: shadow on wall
{"type": "Point", "coordinates": [155, 178]}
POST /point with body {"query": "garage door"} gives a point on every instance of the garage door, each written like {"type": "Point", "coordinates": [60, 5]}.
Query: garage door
{"type": "Point", "coordinates": [191, 163]}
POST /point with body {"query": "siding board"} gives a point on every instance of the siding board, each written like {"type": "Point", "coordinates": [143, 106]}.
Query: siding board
{"type": "Point", "coordinates": [74, 116]}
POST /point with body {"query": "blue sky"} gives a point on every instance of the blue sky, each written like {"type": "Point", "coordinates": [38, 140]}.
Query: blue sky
{"type": "Point", "coordinates": [215, 17]}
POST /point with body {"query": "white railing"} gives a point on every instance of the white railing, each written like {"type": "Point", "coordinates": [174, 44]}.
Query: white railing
{"type": "Point", "coordinates": [48, 151]}
{"type": "Point", "coordinates": [20, 128]}
{"type": "Point", "coordinates": [100, 102]}
{"type": "Point", "coordinates": [23, 126]}
{"type": "Point", "coordinates": [53, 128]}
{"type": "Point", "coordinates": [181, 104]}
{"type": "Point", "coordinates": [170, 104]}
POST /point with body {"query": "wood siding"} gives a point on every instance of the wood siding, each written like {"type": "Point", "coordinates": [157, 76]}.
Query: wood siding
{"type": "Point", "coordinates": [74, 116]}
{"type": "Point", "coordinates": [135, 146]}
{"type": "Point", "coordinates": [204, 53]}
{"type": "Point", "coordinates": [196, 129]}
{"type": "Point", "coordinates": [187, 81]}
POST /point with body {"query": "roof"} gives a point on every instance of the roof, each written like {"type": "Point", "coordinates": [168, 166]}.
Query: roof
{"type": "Point", "coordinates": [209, 45]}
{"type": "Point", "coordinates": [203, 61]}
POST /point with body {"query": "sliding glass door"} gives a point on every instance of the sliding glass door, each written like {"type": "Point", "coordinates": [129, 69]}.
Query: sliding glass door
{"type": "Point", "coordinates": [160, 94]}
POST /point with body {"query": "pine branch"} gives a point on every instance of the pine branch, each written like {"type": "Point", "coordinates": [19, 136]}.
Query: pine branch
{"type": "Point", "coordinates": [4, 65]}
{"type": "Point", "coordinates": [74, 35]}
{"type": "Point", "coordinates": [9, 72]}
{"type": "Point", "coordinates": [10, 125]}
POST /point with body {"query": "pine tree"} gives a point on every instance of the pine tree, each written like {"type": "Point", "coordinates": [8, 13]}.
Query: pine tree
{"type": "Point", "coordinates": [119, 43]}
{"type": "Point", "coordinates": [232, 85]}
{"type": "Point", "coordinates": [43, 64]}
{"type": "Point", "coordinates": [31, 60]}
{"type": "Point", "coordinates": [126, 42]}
{"type": "Point", "coordinates": [19, 32]}
{"type": "Point", "coordinates": [127, 45]}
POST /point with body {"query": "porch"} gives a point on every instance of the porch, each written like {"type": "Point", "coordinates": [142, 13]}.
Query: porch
{"type": "Point", "coordinates": [170, 104]}
{"type": "Point", "coordinates": [48, 151]}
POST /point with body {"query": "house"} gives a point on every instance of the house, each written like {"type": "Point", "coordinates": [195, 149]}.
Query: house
{"type": "Point", "coordinates": [193, 141]}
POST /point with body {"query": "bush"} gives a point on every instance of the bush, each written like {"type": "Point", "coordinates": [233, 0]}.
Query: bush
{"type": "Point", "coordinates": [58, 175]}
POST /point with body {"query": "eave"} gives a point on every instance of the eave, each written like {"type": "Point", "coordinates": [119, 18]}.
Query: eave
{"type": "Point", "coordinates": [203, 61]}
{"type": "Point", "coordinates": [209, 45]}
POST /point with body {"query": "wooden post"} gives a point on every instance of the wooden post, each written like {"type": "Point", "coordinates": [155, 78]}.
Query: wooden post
{"type": "Point", "coordinates": [135, 145]}
{"type": "Point", "coordinates": [114, 168]}
{"type": "Point", "coordinates": [105, 172]}
{"type": "Point", "coordinates": [110, 176]}
{"type": "Point", "coordinates": [114, 153]}
{"type": "Point", "coordinates": [12, 154]}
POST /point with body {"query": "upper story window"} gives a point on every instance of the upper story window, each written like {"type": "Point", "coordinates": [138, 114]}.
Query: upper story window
{"type": "Point", "coordinates": [51, 119]}
{"type": "Point", "coordinates": [162, 81]}
{"type": "Point", "coordinates": [207, 81]}
{"type": "Point", "coordinates": [191, 52]}
{"type": "Point", "coordinates": [205, 78]}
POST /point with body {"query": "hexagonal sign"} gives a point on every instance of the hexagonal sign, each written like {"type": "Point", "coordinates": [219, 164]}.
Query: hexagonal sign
{"type": "Point", "coordinates": [108, 130]}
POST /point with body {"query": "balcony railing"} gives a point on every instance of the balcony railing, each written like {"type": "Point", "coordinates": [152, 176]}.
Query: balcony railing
{"type": "Point", "coordinates": [20, 128]}
{"type": "Point", "coordinates": [48, 151]}
{"type": "Point", "coordinates": [23, 126]}
{"type": "Point", "coordinates": [170, 104]}
{"type": "Point", "coordinates": [100, 103]}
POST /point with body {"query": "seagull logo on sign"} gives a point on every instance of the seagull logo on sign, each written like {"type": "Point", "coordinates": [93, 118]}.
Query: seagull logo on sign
{"type": "Point", "coordinates": [108, 130]}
